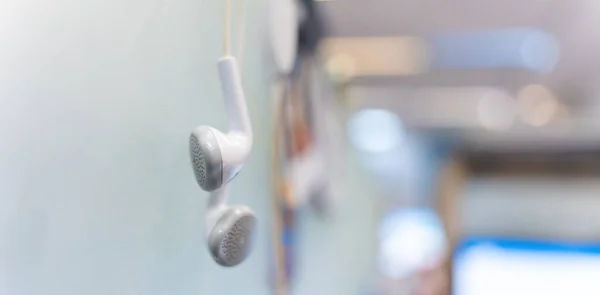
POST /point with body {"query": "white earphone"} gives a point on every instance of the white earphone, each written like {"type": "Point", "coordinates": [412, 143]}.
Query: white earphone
{"type": "Point", "coordinates": [229, 230]}
{"type": "Point", "coordinates": [217, 158]}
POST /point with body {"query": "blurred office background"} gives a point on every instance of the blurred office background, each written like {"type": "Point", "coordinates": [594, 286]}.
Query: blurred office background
{"type": "Point", "coordinates": [401, 147]}
{"type": "Point", "coordinates": [478, 121]}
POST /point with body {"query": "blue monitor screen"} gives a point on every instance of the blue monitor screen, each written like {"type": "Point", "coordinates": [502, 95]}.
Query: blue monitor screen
{"type": "Point", "coordinates": [492, 266]}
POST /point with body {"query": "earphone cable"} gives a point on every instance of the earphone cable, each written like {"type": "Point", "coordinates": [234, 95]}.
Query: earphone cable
{"type": "Point", "coordinates": [241, 34]}
{"type": "Point", "coordinates": [227, 28]}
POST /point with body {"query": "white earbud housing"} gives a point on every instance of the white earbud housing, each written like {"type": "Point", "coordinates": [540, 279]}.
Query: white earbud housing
{"type": "Point", "coordinates": [218, 157]}
{"type": "Point", "coordinates": [229, 230]}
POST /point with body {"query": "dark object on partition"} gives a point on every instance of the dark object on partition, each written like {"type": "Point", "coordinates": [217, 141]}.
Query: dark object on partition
{"type": "Point", "coordinates": [311, 28]}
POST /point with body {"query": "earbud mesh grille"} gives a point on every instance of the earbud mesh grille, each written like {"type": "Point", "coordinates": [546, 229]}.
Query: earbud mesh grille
{"type": "Point", "coordinates": [198, 161]}
{"type": "Point", "coordinates": [236, 244]}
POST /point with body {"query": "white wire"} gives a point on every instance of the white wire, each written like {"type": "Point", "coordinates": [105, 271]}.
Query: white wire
{"type": "Point", "coordinates": [241, 34]}
{"type": "Point", "coordinates": [227, 28]}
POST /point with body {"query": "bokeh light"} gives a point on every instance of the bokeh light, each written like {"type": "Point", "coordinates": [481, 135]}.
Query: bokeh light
{"type": "Point", "coordinates": [410, 239]}
{"type": "Point", "coordinates": [375, 130]}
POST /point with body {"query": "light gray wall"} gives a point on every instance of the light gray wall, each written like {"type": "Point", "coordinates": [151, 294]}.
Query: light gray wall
{"type": "Point", "coordinates": [336, 254]}
{"type": "Point", "coordinates": [97, 99]}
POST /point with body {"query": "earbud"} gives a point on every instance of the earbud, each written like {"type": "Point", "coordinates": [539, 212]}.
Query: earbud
{"type": "Point", "coordinates": [229, 229]}
{"type": "Point", "coordinates": [217, 157]}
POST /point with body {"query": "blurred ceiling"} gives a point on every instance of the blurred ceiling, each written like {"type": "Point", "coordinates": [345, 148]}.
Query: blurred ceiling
{"type": "Point", "coordinates": [575, 25]}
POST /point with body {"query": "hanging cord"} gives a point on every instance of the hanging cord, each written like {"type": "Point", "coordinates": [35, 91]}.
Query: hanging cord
{"type": "Point", "coordinates": [279, 189]}
{"type": "Point", "coordinates": [227, 28]}
{"type": "Point", "coordinates": [241, 30]}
